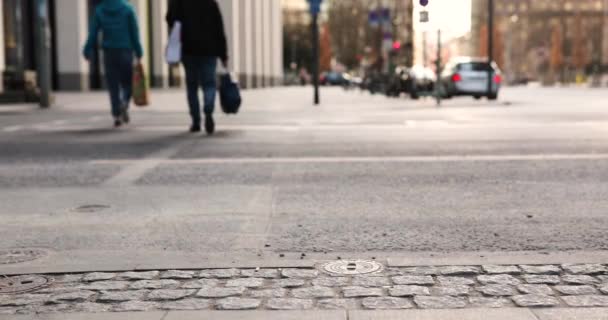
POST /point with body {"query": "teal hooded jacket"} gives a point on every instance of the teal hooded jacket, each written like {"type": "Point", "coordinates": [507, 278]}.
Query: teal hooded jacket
{"type": "Point", "coordinates": [117, 22]}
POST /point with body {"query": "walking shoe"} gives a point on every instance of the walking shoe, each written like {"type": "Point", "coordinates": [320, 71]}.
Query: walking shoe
{"type": "Point", "coordinates": [125, 115]}
{"type": "Point", "coordinates": [195, 128]}
{"type": "Point", "coordinates": [209, 124]}
{"type": "Point", "coordinates": [117, 123]}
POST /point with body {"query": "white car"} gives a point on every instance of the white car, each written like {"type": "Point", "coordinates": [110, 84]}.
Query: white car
{"type": "Point", "coordinates": [469, 77]}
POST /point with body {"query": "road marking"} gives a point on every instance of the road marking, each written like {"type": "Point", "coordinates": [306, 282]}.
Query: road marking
{"type": "Point", "coordinates": [279, 160]}
{"type": "Point", "coordinates": [13, 129]}
{"type": "Point", "coordinates": [137, 168]}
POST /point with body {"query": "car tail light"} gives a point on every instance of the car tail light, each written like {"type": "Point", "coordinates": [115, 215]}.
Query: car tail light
{"type": "Point", "coordinates": [497, 79]}
{"type": "Point", "coordinates": [456, 78]}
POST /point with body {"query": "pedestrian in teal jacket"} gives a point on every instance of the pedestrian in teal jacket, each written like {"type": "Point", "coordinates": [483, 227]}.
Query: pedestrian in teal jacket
{"type": "Point", "coordinates": [117, 22]}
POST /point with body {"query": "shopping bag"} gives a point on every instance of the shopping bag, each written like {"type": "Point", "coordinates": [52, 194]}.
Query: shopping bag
{"type": "Point", "coordinates": [230, 94]}
{"type": "Point", "coordinates": [141, 92]}
{"type": "Point", "coordinates": [173, 54]}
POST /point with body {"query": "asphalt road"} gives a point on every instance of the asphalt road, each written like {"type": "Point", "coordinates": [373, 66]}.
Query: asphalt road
{"type": "Point", "coordinates": [357, 174]}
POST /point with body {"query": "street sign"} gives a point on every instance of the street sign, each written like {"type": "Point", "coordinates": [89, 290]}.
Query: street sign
{"type": "Point", "coordinates": [315, 6]}
{"type": "Point", "coordinates": [424, 16]}
{"type": "Point", "coordinates": [424, 3]}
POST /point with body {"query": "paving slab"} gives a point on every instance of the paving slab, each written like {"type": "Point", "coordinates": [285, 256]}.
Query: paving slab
{"type": "Point", "coordinates": [469, 314]}
{"type": "Point", "coordinates": [257, 315]}
{"type": "Point", "coordinates": [91, 316]}
{"type": "Point", "coordinates": [572, 314]}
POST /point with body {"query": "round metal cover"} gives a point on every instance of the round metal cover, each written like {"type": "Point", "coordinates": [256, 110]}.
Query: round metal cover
{"type": "Point", "coordinates": [23, 284]}
{"type": "Point", "coordinates": [352, 267]}
{"type": "Point", "coordinates": [90, 208]}
{"type": "Point", "coordinates": [11, 256]}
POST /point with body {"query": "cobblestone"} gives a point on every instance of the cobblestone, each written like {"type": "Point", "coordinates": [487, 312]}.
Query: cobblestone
{"type": "Point", "coordinates": [220, 273]}
{"type": "Point", "coordinates": [289, 283]}
{"type": "Point", "coordinates": [238, 304]}
{"type": "Point", "coordinates": [414, 280]}
{"type": "Point", "coordinates": [177, 274]}
{"type": "Point", "coordinates": [447, 281]}
{"type": "Point", "coordinates": [136, 306]}
{"type": "Point", "coordinates": [269, 293]}
{"type": "Point", "coordinates": [300, 273]}
{"type": "Point", "coordinates": [200, 283]}
{"type": "Point", "coordinates": [79, 296]}
{"type": "Point", "coordinates": [488, 286]}
{"type": "Point", "coordinates": [98, 276]}
{"type": "Point", "coordinates": [498, 290]}
{"type": "Point", "coordinates": [459, 270]}
{"type": "Point", "coordinates": [313, 292]}
{"type": "Point", "coordinates": [361, 292]}
{"type": "Point", "coordinates": [289, 304]}
{"type": "Point", "coordinates": [245, 282]}
{"type": "Point", "coordinates": [537, 289]}
{"type": "Point", "coordinates": [138, 275]}
{"type": "Point", "coordinates": [154, 284]}
{"type": "Point", "coordinates": [409, 291]}
{"type": "Point", "coordinates": [371, 281]}
{"type": "Point", "coordinates": [549, 269]}
{"type": "Point", "coordinates": [387, 303]}
{"type": "Point", "coordinates": [220, 292]}
{"type": "Point", "coordinates": [496, 269]}
{"type": "Point", "coordinates": [186, 304]}
{"type": "Point", "coordinates": [105, 285]}
{"type": "Point", "coordinates": [533, 300]}
{"type": "Point", "coordinates": [169, 294]}
{"type": "Point", "coordinates": [261, 273]}
{"type": "Point", "coordinates": [576, 290]}
{"type": "Point", "coordinates": [484, 302]}
{"type": "Point", "coordinates": [574, 279]}
{"type": "Point", "coordinates": [453, 290]}
{"type": "Point", "coordinates": [428, 302]}
{"type": "Point", "coordinates": [122, 296]}
{"type": "Point", "coordinates": [587, 269]}
{"type": "Point", "coordinates": [499, 279]}
{"type": "Point", "coordinates": [334, 304]}
{"type": "Point", "coordinates": [540, 279]}
{"type": "Point", "coordinates": [331, 282]}
{"type": "Point", "coordinates": [423, 271]}
{"type": "Point", "coordinates": [586, 301]}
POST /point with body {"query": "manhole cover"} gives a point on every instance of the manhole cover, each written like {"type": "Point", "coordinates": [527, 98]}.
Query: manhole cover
{"type": "Point", "coordinates": [10, 256]}
{"type": "Point", "coordinates": [90, 208]}
{"type": "Point", "coordinates": [23, 284]}
{"type": "Point", "coordinates": [352, 267]}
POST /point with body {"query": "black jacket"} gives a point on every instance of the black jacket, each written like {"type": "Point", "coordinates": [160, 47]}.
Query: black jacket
{"type": "Point", "coordinates": [202, 27]}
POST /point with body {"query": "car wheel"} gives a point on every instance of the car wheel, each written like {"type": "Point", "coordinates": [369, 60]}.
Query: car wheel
{"type": "Point", "coordinates": [493, 96]}
{"type": "Point", "coordinates": [414, 95]}
{"type": "Point", "coordinates": [476, 97]}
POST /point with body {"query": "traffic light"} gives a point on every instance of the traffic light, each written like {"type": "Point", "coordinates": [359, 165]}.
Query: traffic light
{"type": "Point", "coordinates": [424, 3]}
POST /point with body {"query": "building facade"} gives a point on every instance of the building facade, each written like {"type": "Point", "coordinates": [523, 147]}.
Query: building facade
{"type": "Point", "coordinates": [545, 40]}
{"type": "Point", "coordinates": [253, 28]}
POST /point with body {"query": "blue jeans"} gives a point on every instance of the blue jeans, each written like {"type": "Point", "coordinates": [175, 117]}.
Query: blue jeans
{"type": "Point", "coordinates": [200, 72]}
{"type": "Point", "coordinates": [118, 65]}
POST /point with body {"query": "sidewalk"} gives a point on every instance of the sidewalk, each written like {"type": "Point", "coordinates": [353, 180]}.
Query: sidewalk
{"type": "Point", "coordinates": [474, 314]}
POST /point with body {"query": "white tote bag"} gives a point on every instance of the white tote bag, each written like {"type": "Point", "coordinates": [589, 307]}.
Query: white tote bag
{"type": "Point", "coordinates": [173, 54]}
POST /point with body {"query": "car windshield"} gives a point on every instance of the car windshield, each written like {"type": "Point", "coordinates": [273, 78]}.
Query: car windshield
{"type": "Point", "coordinates": [474, 66]}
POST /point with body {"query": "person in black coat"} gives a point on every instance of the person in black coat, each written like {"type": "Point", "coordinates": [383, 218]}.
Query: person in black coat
{"type": "Point", "coordinates": [203, 42]}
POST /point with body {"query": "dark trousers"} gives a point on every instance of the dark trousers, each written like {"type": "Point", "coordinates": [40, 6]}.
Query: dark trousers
{"type": "Point", "coordinates": [200, 72]}
{"type": "Point", "coordinates": [118, 65]}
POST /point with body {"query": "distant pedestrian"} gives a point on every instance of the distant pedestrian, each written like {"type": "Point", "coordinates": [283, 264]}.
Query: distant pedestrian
{"type": "Point", "coordinates": [117, 22]}
{"type": "Point", "coordinates": [203, 42]}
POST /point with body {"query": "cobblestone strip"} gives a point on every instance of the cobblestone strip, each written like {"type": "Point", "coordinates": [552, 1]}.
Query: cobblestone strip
{"type": "Point", "coordinates": [488, 286]}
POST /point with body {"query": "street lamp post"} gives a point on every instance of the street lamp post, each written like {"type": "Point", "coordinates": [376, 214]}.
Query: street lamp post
{"type": "Point", "coordinates": [44, 53]}
{"type": "Point", "coordinates": [315, 9]}
{"type": "Point", "coordinates": [490, 44]}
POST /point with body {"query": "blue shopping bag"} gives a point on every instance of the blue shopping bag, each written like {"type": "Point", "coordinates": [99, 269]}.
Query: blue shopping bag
{"type": "Point", "coordinates": [230, 95]}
